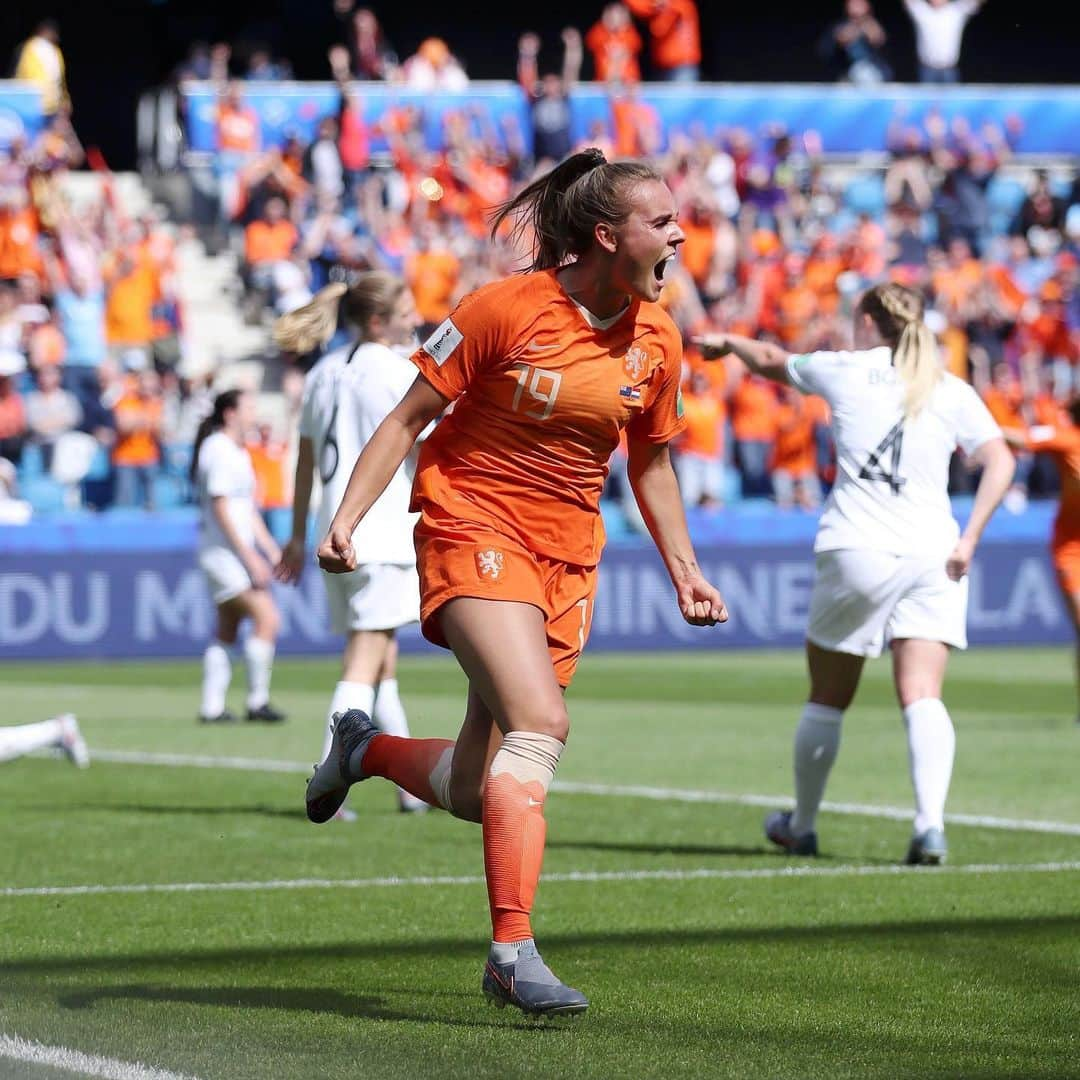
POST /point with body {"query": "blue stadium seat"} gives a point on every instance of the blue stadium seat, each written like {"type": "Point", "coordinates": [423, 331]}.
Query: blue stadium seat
{"type": "Point", "coordinates": [1004, 195]}
{"type": "Point", "coordinates": [43, 493]}
{"type": "Point", "coordinates": [841, 222]}
{"type": "Point", "coordinates": [866, 195]}
{"type": "Point", "coordinates": [732, 490]}
{"type": "Point", "coordinates": [176, 459]}
{"type": "Point", "coordinates": [99, 467]}
{"type": "Point", "coordinates": [169, 491]}
{"type": "Point", "coordinates": [279, 522]}
{"type": "Point", "coordinates": [32, 464]}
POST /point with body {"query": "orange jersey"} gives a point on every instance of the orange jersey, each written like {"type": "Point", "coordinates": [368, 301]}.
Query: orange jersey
{"type": "Point", "coordinates": [704, 434]}
{"type": "Point", "coordinates": [753, 410]}
{"type": "Point", "coordinates": [266, 241]}
{"type": "Point", "coordinates": [674, 30]}
{"type": "Point", "coordinates": [615, 53]}
{"type": "Point", "coordinates": [432, 276]}
{"type": "Point", "coordinates": [542, 395]}
{"type": "Point", "coordinates": [18, 243]}
{"type": "Point", "coordinates": [698, 247]}
{"type": "Point", "coordinates": [1063, 444]}
{"type": "Point", "coordinates": [271, 483]}
{"type": "Point", "coordinates": [129, 308]}
{"type": "Point", "coordinates": [140, 445]}
{"type": "Point", "coordinates": [1004, 406]}
{"type": "Point", "coordinates": [237, 128]}
{"type": "Point", "coordinates": [795, 450]}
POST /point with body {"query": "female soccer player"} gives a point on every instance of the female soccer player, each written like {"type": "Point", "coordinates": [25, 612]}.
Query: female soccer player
{"type": "Point", "coordinates": [891, 560]}
{"type": "Point", "coordinates": [347, 395]}
{"type": "Point", "coordinates": [1063, 444]}
{"type": "Point", "coordinates": [544, 369]}
{"type": "Point", "coordinates": [234, 549]}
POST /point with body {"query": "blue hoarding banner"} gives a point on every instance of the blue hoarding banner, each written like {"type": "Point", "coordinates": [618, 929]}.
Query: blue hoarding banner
{"type": "Point", "coordinates": [848, 119]}
{"type": "Point", "coordinates": [20, 111]}
{"type": "Point", "coordinates": [154, 603]}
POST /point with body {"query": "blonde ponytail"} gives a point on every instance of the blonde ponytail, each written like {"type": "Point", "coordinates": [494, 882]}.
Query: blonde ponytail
{"type": "Point", "coordinates": [915, 358]}
{"type": "Point", "coordinates": [313, 325]}
{"type": "Point", "coordinates": [897, 312]}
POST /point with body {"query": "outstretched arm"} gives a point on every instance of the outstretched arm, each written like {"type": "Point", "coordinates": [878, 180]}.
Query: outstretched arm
{"type": "Point", "coordinates": [657, 493]}
{"type": "Point", "coordinates": [290, 568]}
{"type": "Point", "coordinates": [374, 469]}
{"type": "Point", "coordinates": [761, 357]}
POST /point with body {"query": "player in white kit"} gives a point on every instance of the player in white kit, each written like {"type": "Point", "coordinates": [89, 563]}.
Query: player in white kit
{"type": "Point", "coordinates": [236, 553]}
{"type": "Point", "coordinates": [891, 561]}
{"type": "Point", "coordinates": [347, 394]}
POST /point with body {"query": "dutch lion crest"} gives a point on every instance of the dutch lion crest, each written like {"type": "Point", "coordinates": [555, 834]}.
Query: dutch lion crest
{"type": "Point", "coordinates": [489, 563]}
{"type": "Point", "coordinates": [635, 362]}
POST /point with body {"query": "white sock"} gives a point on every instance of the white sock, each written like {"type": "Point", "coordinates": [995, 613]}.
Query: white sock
{"type": "Point", "coordinates": [931, 748]}
{"type": "Point", "coordinates": [25, 738]}
{"type": "Point", "coordinates": [505, 952]}
{"type": "Point", "coordinates": [347, 695]}
{"type": "Point", "coordinates": [389, 714]}
{"type": "Point", "coordinates": [217, 674]}
{"type": "Point", "coordinates": [817, 739]}
{"type": "Point", "coordinates": [259, 657]}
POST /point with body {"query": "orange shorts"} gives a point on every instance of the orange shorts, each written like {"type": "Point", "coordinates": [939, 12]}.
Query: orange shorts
{"type": "Point", "coordinates": [467, 559]}
{"type": "Point", "coordinates": [1066, 558]}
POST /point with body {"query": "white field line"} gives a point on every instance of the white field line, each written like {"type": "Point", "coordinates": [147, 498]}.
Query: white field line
{"type": "Point", "coordinates": [60, 1057]}
{"type": "Point", "coordinates": [574, 877]}
{"type": "Point", "coordinates": [631, 791]}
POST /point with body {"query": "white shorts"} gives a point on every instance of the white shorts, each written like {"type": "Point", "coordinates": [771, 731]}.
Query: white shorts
{"type": "Point", "coordinates": [862, 600]}
{"type": "Point", "coordinates": [226, 577]}
{"type": "Point", "coordinates": [375, 596]}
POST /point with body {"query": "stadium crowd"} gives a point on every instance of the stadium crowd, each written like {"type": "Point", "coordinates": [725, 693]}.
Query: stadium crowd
{"type": "Point", "coordinates": [778, 243]}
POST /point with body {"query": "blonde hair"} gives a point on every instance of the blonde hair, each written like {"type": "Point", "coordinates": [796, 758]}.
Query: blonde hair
{"type": "Point", "coordinates": [374, 292]}
{"type": "Point", "coordinates": [311, 326]}
{"type": "Point", "coordinates": [897, 312]}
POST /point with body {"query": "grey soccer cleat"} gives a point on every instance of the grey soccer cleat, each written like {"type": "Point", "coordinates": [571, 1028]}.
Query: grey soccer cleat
{"type": "Point", "coordinates": [529, 984]}
{"type": "Point", "coordinates": [72, 742]}
{"type": "Point", "coordinates": [927, 849]}
{"type": "Point", "coordinates": [778, 830]}
{"type": "Point", "coordinates": [326, 790]}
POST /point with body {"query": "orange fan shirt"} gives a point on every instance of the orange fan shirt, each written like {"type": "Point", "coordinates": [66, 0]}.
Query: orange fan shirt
{"type": "Point", "coordinates": [704, 435]}
{"type": "Point", "coordinates": [541, 397]}
{"type": "Point", "coordinates": [1004, 406]}
{"type": "Point", "coordinates": [18, 243]}
{"type": "Point", "coordinates": [753, 410]}
{"type": "Point", "coordinates": [615, 53]}
{"type": "Point", "coordinates": [432, 276]}
{"type": "Point", "coordinates": [674, 29]}
{"type": "Point", "coordinates": [237, 128]}
{"type": "Point", "coordinates": [794, 450]}
{"type": "Point", "coordinates": [697, 249]}
{"type": "Point", "coordinates": [271, 487]}
{"type": "Point", "coordinates": [1063, 444]}
{"type": "Point", "coordinates": [139, 446]}
{"type": "Point", "coordinates": [129, 308]}
{"type": "Point", "coordinates": [266, 241]}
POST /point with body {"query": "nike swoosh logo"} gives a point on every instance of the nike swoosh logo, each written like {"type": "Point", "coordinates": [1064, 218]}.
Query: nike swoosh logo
{"type": "Point", "coordinates": [532, 347]}
{"type": "Point", "coordinates": [535, 802]}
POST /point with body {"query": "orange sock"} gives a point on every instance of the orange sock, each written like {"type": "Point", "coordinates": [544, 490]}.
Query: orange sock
{"type": "Point", "coordinates": [514, 832]}
{"type": "Point", "coordinates": [420, 766]}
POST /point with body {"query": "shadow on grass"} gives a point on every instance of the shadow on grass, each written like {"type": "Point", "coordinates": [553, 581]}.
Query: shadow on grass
{"type": "Point", "coordinates": [320, 1001]}
{"type": "Point", "coordinates": [660, 848]}
{"type": "Point", "coordinates": [903, 935]}
{"type": "Point", "coordinates": [657, 848]}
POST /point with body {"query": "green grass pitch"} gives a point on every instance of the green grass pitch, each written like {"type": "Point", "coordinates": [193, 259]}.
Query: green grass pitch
{"type": "Point", "coordinates": [700, 956]}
